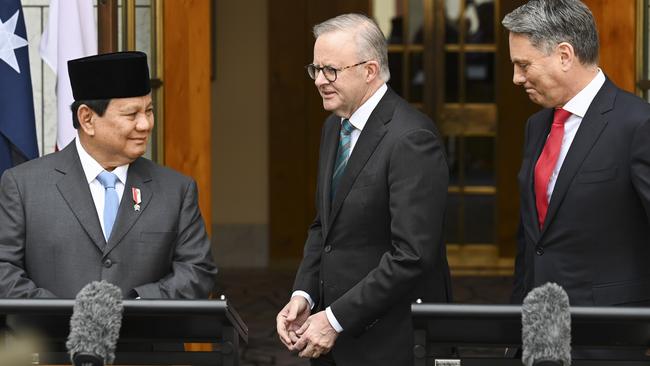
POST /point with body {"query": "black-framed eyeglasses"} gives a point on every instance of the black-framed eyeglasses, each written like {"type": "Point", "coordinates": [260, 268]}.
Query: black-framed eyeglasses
{"type": "Point", "coordinates": [329, 72]}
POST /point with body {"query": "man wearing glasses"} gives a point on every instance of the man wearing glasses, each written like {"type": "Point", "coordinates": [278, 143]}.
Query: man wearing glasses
{"type": "Point", "coordinates": [375, 245]}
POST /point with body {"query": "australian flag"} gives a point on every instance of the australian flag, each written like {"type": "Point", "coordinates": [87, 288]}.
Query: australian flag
{"type": "Point", "coordinates": [17, 125]}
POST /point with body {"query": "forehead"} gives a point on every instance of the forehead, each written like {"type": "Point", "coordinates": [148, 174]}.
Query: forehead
{"type": "Point", "coordinates": [334, 47]}
{"type": "Point", "coordinates": [522, 48]}
{"type": "Point", "coordinates": [131, 103]}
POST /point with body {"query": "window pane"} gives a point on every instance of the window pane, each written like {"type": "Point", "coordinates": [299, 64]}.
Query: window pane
{"type": "Point", "coordinates": [479, 77]}
{"type": "Point", "coordinates": [417, 78]}
{"type": "Point", "coordinates": [416, 21]}
{"type": "Point", "coordinates": [395, 65]}
{"type": "Point", "coordinates": [479, 161]}
{"type": "Point", "coordinates": [452, 21]}
{"type": "Point", "coordinates": [479, 16]}
{"type": "Point", "coordinates": [386, 15]}
{"type": "Point", "coordinates": [451, 77]}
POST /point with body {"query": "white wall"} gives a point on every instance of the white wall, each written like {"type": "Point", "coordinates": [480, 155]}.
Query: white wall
{"type": "Point", "coordinates": [239, 141]}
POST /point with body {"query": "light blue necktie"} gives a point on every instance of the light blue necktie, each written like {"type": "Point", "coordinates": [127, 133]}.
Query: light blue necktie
{"type": "Point", "coordinates": [343, 153]}
{"type": "Point", "coordinates": [111, 202]}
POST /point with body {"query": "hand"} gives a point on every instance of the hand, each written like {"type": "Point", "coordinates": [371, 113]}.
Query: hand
{"type": "Point", "coordinates": [290, 319]}
{"type": "Point", "coordinates": [316, 336]}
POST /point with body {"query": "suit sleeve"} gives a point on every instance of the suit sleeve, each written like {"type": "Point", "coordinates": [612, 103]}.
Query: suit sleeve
{"type": "Point", "coordinates": [193, 270]}
{"type": "Point", "coordinates": [14, 280]}
{"type": "Point", "coordinates": [519, 288]}
{"type": "Point", "coordinates": [640, 164]}
{"type": "Point", "coordinates": [417, 181]}
{"type": "Point", "coordinates": [309, 270]}
{"type": "Point", "coordinates": [519, 281]}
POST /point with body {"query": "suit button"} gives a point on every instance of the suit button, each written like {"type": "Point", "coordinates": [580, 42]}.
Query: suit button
{"type": "Point", "coordinates": [539, 250]}
{"type": "Point", "coordinates": [328, 248]}
{"type": "Point", "coordinates": [108, 263]}
{"type": "Point", "coordinates": [322, 282]}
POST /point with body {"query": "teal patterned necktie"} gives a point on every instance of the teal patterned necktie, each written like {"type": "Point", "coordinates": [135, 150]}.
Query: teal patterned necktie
{"type": "Point", "coordinates": [111, 201]}
{"type": "Point", "coordinates": [343, 154]}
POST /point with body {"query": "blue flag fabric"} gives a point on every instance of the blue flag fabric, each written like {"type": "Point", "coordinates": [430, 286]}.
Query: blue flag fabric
{"type": "Point", "coordinates": [17, 124]}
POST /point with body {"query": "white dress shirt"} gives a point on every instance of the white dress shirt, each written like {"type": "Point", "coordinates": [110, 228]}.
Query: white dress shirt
{"type": "Point", "coordinates": [358, 119]}
{"type": "Point", "coordinates": [91, 170]}
{"type": "Point", "coordinates": [578, 106]}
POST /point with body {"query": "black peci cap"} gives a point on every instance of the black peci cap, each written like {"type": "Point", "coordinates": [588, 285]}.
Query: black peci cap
{"type": "Point", "coordinates": [110, 75]}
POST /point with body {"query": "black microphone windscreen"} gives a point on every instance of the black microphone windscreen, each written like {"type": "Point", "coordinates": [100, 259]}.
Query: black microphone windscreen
{"type": "Point", "coordinates": [96, 321]}
{"type": "Point", "coordinates": [546, 326]}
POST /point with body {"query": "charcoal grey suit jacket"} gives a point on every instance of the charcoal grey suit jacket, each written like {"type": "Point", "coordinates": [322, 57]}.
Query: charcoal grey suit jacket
{"type": "Point", "coordinates": [51, 241]}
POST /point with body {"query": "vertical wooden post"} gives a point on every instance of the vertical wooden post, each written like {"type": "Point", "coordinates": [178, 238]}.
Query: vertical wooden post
{"type": "Point", "coordinates": [107, 26]}
{"type": "Point", "coordinates": [187, 98]}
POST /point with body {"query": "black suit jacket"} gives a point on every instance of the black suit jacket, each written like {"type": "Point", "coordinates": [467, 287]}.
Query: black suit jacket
{"type": "Point", "coordinates": [596, 239]}
{"type": "Point", "coordinates": [377, 246]}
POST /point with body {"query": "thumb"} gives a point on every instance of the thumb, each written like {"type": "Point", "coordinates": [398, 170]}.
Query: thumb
{"type": "Point", "coordinates": [293, 312]}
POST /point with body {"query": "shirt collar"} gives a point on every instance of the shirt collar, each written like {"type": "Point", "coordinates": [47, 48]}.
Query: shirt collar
{"type": "Point", "coordinates": [92, 168]}
{"type": "Point", "coordinates": [359, 118]}
{"type": "Point", "coordinates": [579, 104]}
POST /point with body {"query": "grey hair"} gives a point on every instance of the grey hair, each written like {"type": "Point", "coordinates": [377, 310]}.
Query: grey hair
{"type": "Point", "coordinates": [548, 23]}
{"type": "Point", "coordinates": [370, 39]}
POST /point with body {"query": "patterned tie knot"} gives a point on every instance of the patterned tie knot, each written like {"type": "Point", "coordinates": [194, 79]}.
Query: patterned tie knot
{"type": "Point", "coordinates": [107, 179]}
{"type": "Point", "coordinates": [346, 127]}
{"type": "Point", "coordinates": [560, 116]}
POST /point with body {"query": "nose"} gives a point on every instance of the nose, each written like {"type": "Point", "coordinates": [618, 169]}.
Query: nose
{"type": "Point", "coordinates": [320, 78]}
{"type": "Point", "coordinates": [518, 77]}
{"type": "Point", "coordinates": [144, 121]}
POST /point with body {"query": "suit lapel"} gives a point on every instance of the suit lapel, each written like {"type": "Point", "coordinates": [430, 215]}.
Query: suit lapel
{"type": "Point", "coordinates": [542, 126]}
{"type": "Point", "coordinates": [77, 194]}
{"type": "Point", "coordinates": [137, 177]}
{"type": "Point", "coordinates": [331, 141]}
{"type": "Point", "coordinates": [588, 133]}
{"type": "Point", "coordinates": [372, 134]}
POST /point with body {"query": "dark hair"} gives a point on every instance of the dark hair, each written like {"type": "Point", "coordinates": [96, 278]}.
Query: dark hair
{"type": "Point", "coordinates": [547, 23]}
{"type": "Point", "coordinates": [97, 105]}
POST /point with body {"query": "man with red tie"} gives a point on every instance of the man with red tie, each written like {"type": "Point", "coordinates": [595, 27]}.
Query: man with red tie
{"type": "Point", "coordinates": [585, 176]}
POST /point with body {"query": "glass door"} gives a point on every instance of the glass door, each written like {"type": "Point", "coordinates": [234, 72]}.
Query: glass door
{"type": "Point", "coordinates": [442, 56]}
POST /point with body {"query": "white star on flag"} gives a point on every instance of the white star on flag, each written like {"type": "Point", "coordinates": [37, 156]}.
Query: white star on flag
{"type": "Point", "coordinates": [9, 42]}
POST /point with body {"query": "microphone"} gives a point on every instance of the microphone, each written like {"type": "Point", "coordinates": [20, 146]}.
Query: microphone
{"type": "Point", "coordinates": [546, 327]}
{"type": "Point", "coordinates": [95, 324]}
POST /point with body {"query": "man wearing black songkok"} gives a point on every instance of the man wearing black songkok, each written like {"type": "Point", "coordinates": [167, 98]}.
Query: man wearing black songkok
{"type": "Point", "coordinates": [97, 210]}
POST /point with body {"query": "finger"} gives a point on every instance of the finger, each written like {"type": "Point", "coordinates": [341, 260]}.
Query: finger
{"type": "Point", "coordinates": [283, 333]}
{"type": "Point", "coordinates": [307, 352]}
{"type": "Point", "coordinates": [293, 336]}
{"type": "Point", "coordinates": [301, 343]}
{"type": "Point", "coordinates": [304, 327]}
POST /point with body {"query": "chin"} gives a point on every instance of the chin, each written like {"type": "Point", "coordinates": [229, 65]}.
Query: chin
{"type": "Point", "coordinates": [330, 105]}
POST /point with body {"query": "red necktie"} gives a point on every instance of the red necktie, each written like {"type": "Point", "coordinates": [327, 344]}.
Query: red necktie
{"type": "Point", "coordinates": [546, 163]}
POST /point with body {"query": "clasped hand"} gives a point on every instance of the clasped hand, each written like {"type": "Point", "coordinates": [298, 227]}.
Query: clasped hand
{"type": "Point", "coordinates": [310, 335]}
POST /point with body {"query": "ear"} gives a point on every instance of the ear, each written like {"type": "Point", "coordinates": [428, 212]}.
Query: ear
{"type": "Point", "coordinates": [86, 118]}
{"type": "Point", "coordinates": [567, 55]}
{"type": "Point", "coordinates": [372, 70]}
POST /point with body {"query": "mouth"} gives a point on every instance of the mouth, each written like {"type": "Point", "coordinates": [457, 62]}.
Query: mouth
{"type": "Point", "coordinates": [139, 140]}
{"type": "Point", "coordinates": [327, 94]}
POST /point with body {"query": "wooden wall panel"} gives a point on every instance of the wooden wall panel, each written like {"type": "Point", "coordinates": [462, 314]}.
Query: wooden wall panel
{"type": "Point", "coordinates": [616, 22]}
{"type": "Point", "coordinates": [187, 61]}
